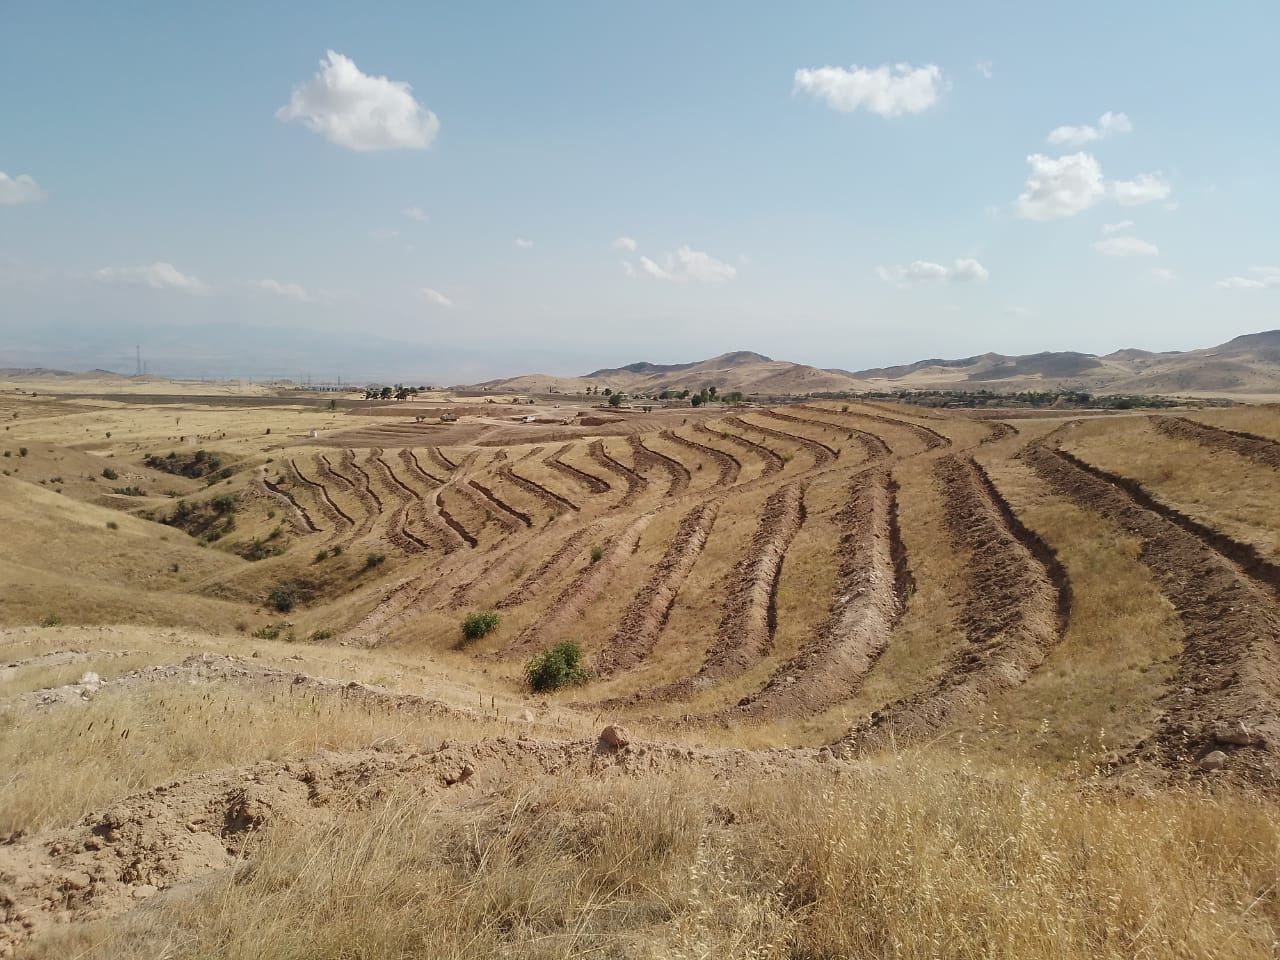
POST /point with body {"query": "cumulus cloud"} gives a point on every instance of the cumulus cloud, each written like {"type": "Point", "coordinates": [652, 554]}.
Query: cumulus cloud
{"type": "Point", "coordinates": [1145, 188]}
{"type": "Point", "coordinates": [359, 111]}
{"type": "Point", "coordinates": [925, 271]}
{"type": "Point", "coordinates": [19, 189]}
{"type": "Point", "coordinates": [415, 213]}
{"type": "Point", "coordinates": [687, 265]}
{"type": "Point", "coordinates": [1164, 273]}
{"type": "Point", "coordinates": [1060, 187]}
{"type": "Point", "coordinates": [435, 296]}
{"type": "Point", "coordinates": [1256, 278]}
{"type": "Point", "coordinates": [1126, 247]}
{"type": "Point", "coordinates": [1108, 124]}
{"type": "Point", "coordinates": [291, 290]}
{"type": "Point", "coordinates": [625, 243]}
{"type": "Point", "coordinates": [157, 276]}
{"type": "Point", "coordinates": [888, 91]}
{"type": "Point", "coordinates": [1117, 227]}
{"type": "Point", "coordinates": [523, 244]}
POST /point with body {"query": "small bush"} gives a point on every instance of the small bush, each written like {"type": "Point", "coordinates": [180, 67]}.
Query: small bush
{"type": "Point", "coordinates": [110, 474]}
{"type": "Point", "coordinates": [224, 504]}
{"type": "Point", "coordinates": [269, 632]}
{"type": "Point", "coordinates": [283, 598]}
{"type": "Point", "coordinates": [112, 525]}
{"type": "Point", "coordinates": [130, 491]}
{"type": "Point", "coordinates": [321, 556]}
{"type": "Point", "coordinates": [336, 551]}
{"type": "Point", "coordinates": [561, 666]}
{"type": "Point", "coordinates": [477, 625]}
{"type": "Point", "coordinates": [22, 451]}
{"type": "Point", "coordinates": [597, 552]}
{"type": "Point", "coordinates": [320, 635]}
{"type": "Point", "coordinates": [52, 620]}
{"type": "Point", "coordinates": [374, 560]}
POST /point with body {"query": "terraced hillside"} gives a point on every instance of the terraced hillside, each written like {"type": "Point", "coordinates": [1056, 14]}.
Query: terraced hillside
{"type": "Point", "coordinates": [790, 594]}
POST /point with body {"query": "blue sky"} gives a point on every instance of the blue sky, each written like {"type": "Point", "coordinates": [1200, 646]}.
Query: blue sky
{"type": "Point", "coordinates": [155, 180]}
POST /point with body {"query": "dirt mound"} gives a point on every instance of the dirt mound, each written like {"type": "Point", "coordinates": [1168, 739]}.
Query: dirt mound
{"type": "Point", "coordinates": [871, 593]}
{"type": "Point", "coordinates": [728, 464]}
{"type": "Point", "coordinates": [646, 458]}
{"type": "Point", "coordinates": [649, 609]}
{"type": "Point", "coordinates": [772, 462]}
{"type": "Point", "coordinates": [1015, 603]}
{"type": "Point", "coordinates": [998, 430]}
{"type": "Point", "coordinates": [813, 446]}
{"type": "Point", "coordinates": [1249, 445]}
{"type": "Point", "coordinates": [1229, 670]}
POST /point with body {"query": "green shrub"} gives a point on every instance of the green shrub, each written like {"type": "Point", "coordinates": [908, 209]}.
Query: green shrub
{"type": "Point", "coordinates": [283, 598]}
{"type": "Point", "coordinates": [477, 625]}
{"type": "Point", "coordinates": [374, 560]}
{"type": "Point", "coordinates": [112, 525]}
{"type": "Point", "coordinates": [561, 666]}
{"type": "Point", "coordinates": [321, 556]}
{"type": "Point", "coordinates": [225, 503]}
{"type": "Point", "coordinates": [52, 620]}
{"type": "Point", "coordinates": [110, 474]}
{"type": "Point", "coordinates": [22, 451]}
{"type": "Point", "coordinates": [320, 635]}
{"type": "Point", "coordinates": [597, 552]}
{"type": "Point", "coordinates": [269, 632]}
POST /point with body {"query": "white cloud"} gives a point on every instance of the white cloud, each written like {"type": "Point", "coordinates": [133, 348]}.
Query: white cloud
{"type": "Point", "coordinates": [1145, 188]}
{"type": "Point", "coordinates": [415, 213]}
{"type": "Point", "coordinates": [18, 190]}
{"type": "Point", "coordinates": [625, 243]}
{"type": "Point", "coordinates": [687, 265]}
{"type": "Point", "coordinates": [1108, 124]}
{"type": "Point", "coordinates": [889, 91]}
{"type": "Point", "coordinates": [925, 271]}
{"type": "Point", "coordinates": [1126, 247]}
{"type": "Point", "coordinates": [1117, 227]}
{"type": "Point", "coordinates": [628, 268]}
{"type": "Point", "coordinates": [1259, 278]}
{"type": "Point", "coordinates": [291, 290]}
{"type": "Point", "coordinates": [984, 67]}
{"type": "Point", "coordinates": [1060, 187]}
{"type": "Point", "coordinates": [359, 111]}
{"type": "Point", "coordinates": [1164, 273]}
{"type": "Point", "coordinates": [157, 276]}
{"type": "Point", "coordinates": [523, 244]}
{"type": "Point", "coordinates": [435, 296]}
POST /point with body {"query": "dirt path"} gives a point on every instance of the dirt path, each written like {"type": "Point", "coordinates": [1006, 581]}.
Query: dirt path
{"type": "Point", "coordinates": [646, 458]}
{"type": "Point", "coordinates": [334, 513]}
{"type": "Point", "coordinates": [1015, 604]}
{"type": "Point", "coordinates": [502, 505]}
{"type": "Point", "coordinates": [636, 484]}
{"type": "Point", "coordinates": [1260, 450]}
{"type": "Point", "coordinates": [549, 498]}
{"type": "Point", "coordinates": [728, 465]}
{"type": "Point", "coordinates": [772, 462]}
{"type": "Point", "coordinates": [1229, 670]}
{"type": "Point", "coordinates": [581, 591]}
{"type": "Point", "coordinates": [589, 481]}
{"type": "Point", "coordinates": [649, 609]}
{"type": "Point", "coordinates": [871, 593]}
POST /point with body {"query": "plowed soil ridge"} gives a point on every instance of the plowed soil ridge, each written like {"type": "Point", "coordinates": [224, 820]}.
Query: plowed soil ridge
{"type": "Point", "coordinates": [647, 613]}
{"type": "Point", "coordinates": [998, 430]}
{"type": "Point", "coordinates": [552, 565]}
{"type": "Point", "coordinates": [590, 481]}
{"type": "Point", "coordinates": [1260, 450]}
{"type": "Point", "coordinates": [299, 519]}
{"type": "Point", "coordinates": [932, 439]}
{"type": "Point", "coordinates": [871, 594]}
{"type": "Point", "coordinates": [1012, 612]}
{"type": "Point", "coordinates": [1229, 671]}
{"type": "Point", "coordinates": [1244, 555]}
{"type": "Point", "coordinates": [727, 463]}
{"type": "Point", "coordinates": [873, 445]}
{"type": "Point", "coordinates": [645, 457]}
{"type": "Point", "coordinates": [772, 462]}
{"type": "Point", "coordinates": [452, 522]}
{"type": "Point", "coordinates": [361, 482]}
{"type": "Point", "coordinates": [581, 591]}
{"type": "Point", "coordinates": [487, 503]}
{"type": "Point", "coordinates": [550, 499]}
{"type": "Point", "coordinates": [334, 513]}
{"type": "Point", "coordinates": [636, 484]}
{"type": "Point", "coordinates": [501, 504]}
{"type": "Point", "coordinates": [820, 452]}
{"type": "Point", "coordinates": [811, 445]}
{"type": "Point", "coordinates": [409, 458]}
{"type": "Point", "coordinates": [398, 531]}
{"type": "Point", "coordinates": [438, 455]}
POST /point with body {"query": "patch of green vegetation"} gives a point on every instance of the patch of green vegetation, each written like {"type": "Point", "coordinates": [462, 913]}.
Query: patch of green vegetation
{"type": "Point", "coordinates": [478, 625]}
{"type": "Point", "coordinates": [560, 666]}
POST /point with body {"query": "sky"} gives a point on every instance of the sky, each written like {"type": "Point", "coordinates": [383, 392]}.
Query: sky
{"type": "Point", "coordinates": [490, 188]}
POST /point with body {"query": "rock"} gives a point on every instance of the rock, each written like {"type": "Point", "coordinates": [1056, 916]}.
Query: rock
{"type": "Point", "coordinates": [1237, 735]}
{"type": "Point", "coordinates": [824, 754]}
{"type": "Point", "coordinates": [527, 716]}
{"type": "Point", "coordinates": [90, 679]}
{"type": "Point", "coordinates": [142, 891]}
{"type": "Point", "coordinates": [614, 737]}
{"type": "Point", "coordinates": [77, 881]}
{"type": "Point", "coordinates": [1215, 760]}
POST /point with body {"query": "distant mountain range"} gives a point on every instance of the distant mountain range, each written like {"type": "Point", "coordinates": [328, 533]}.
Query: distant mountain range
{"type": "Point", "coordinates": [1248, 364]}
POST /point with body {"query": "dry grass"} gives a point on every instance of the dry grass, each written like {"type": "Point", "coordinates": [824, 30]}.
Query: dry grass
{"type": "Point", "coordinates": [912, 862]}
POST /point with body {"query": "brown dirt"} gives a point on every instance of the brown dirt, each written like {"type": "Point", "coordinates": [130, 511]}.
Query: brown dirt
{"type": "Point", "coordinates": [299, 519]}
{"type": "Point", "coordinates": [452, 523]}
{"type": "Point", "coordinates": [1229, 670]}
{"type": "Point", "coordinates": [728, 464]}
{"type": "Point", "coordinates": [1015, 605]}
{"type": "Point", "coordinates": [549, 498]}
{"type": "Point", "coordinates": [871, 594]}
{"type": "Point", "coordinates": [646, 458]}
{"type": "Point", "coordinates": [1262, 450]}
{"type": "Point", "coordinates": [809, 444]}
{"type": "Point", "coordinates": [552, 565]}
{"type": "Point", "coordinates": [998, 430]}
{"type": "Point", "coordinates": [636, 484]}
{"type": "Point", "coordinates": [590, 481]}
{"type": "Point", "coordinates": [581, 591]}
{"type": "Point", "coordinates": [931, 438]}
{"type": "Point", "coordinates": [505, 512]}
{"type": "Point", "coordinates": [443, 462]}
{"type": "Point", "coordinates": [873, 445]}
{"type": "Point", "coordinates": [334, 513]}
{"type": "Point", "coordinates": [772, 462]}
{"type": "Point", "coordinates": [398, 531]}
{"type": "Point", "coordinates": [649, 609]}
{"type": "Point", "coordinates": [820, 452]}
{"type": "Point", "coordinates": [409, 458]}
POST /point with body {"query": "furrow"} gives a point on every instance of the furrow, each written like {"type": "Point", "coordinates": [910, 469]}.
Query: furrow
{"type": "Point", "coordinates": [452, 522]}
{"type": "Point", "coordinates": [931, 439]}
{"type": "Point", "coordinates": [409, 458]}
{"type": "Point", "coordinates": [334, 513]}
{"type": "Point", "coordinates": [1249, 445]}
{"type": "Point", "coordinates": [728, 464]}
{"type": "Point", "coordinates": [297, 513]}
{"type": "Point", "coordinates": [549, 498]}
{"type": "Point", "coordinates": [505, 513]}
{"type": "Point", "coordinates": [552, 565]}
{"type": "Point", "coordinates": [772, 462]}
{"type": "Point", "coordinates": [1015, 601]}
{"type": "Point", "coordinates": [636, 484]}
{"type": "Point", "coordinates": [398, 531]}
{"type": "Point", "coordinates": [1225, 693]}
{"type": "Point", "coordinates": [645, 457]}
{"type": "Point", "coordinates": [590, 481]}
{"type": "Point", "coordinates": [822, 453]}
